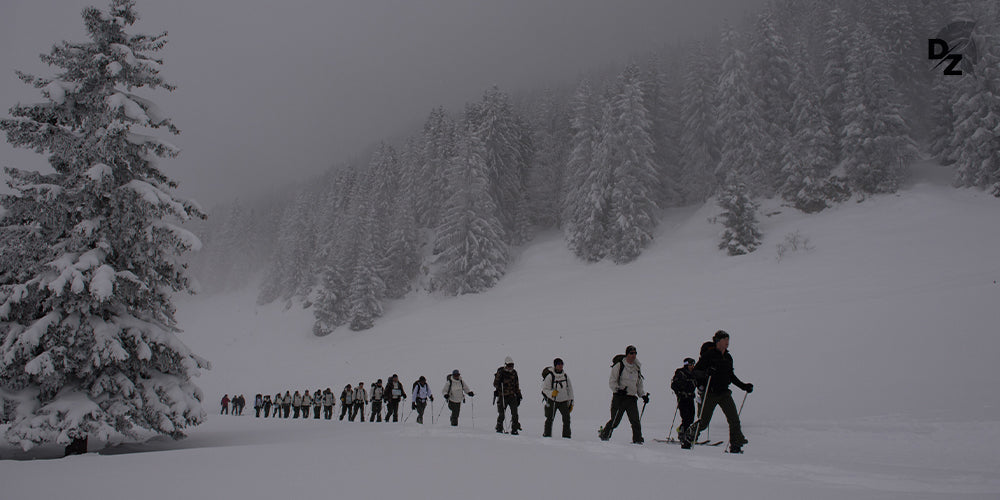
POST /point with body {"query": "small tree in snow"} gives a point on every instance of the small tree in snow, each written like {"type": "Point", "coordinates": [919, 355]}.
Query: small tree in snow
{"type": "Point", "coordinates": [739, 216]}
{"type": "Point", "coordinates": [89, 345]}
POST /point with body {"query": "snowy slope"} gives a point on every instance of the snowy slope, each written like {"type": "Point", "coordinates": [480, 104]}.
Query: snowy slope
{"type": "Point", "coordinates": [872, 356]}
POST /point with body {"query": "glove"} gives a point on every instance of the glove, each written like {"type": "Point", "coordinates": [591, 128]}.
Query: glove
{"type": "Point", "coordinates": [749, 388]}
{"type": "Point", "coordinates": [413, 405]}
{"type": "Point", "coordinates": [571, 407]}
{"type": "Point", "coordinates": [432, 397]}
{"type": "Point", "coordinates": [645, 399]}
{"type": "Point", "coordinates": [554, 393]}
{"type": "Point", "coordinates": [472, 394]}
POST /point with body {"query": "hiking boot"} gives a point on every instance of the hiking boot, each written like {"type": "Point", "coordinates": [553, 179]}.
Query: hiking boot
{"type": "Point", "coordinates": [686, 446]}
{"type": "Point", "coordinates": [547, 435]}
{"type": "Point", "coordinates": [513, 432]}
{"type": "Point", "coordinates": [736, 449]}
{"type": "Point", "coordinates": [638, 441]}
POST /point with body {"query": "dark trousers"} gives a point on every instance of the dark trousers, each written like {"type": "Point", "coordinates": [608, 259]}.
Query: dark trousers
{"type": "Point", "coordinates": [392, 408]}
{"type": "Point", "coordinates": [267, 409]}
{"type": "Point", "coordinates": [315, 412]}
{"type": "Point", "coordinates": [258, 408]}
{"type": "Point", "coordinates": [502, 404]}
{"type": "Point", "coordinates": [346, 410]}
{"type": "Point", "coordinates": [376, 415]}
{"type": "Point", "coordinates": [225, 410]}
{"type": "Point", "coordinates": [685, 405]}
{"type": "Point", "coordinates": [455, 408]}
{"type": "Point", "coordinates": [359, 409]}
{"type": "Point", "coordinates": [421, 405]}
{"type": "Point", "coordinates": [550, 415]}
{"type": "Point", "coordinates": [286, 409]}
{"type": "Point", "coordinates": [328, 412]}
{"type": "Point", "coordinates": [725, 401]}
{"type": "Point", "coordinates": [622, 405]}
{"type": "Point", "coordinates": [296, 411]}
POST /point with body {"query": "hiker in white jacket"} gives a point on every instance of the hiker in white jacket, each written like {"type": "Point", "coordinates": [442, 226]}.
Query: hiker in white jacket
{"type": "Point", "coordinates": [296, 404]}
{"type": "Point", "coordinates": [307, 401]}
{"type": "Point", "coordinates": [421, 393]}
{"type": "Point", "coordinates": [454, 393]}
{"type": "Point", "coordinates": [626, 385]}
{"type": "Point", "coordinates": [558, 393]}
{"type": "Point", "coordinates": [360, 400]}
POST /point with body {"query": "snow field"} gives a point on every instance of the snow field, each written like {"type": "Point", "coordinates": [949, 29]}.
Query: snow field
{"type": "Point", "coordinates": [872, 357]}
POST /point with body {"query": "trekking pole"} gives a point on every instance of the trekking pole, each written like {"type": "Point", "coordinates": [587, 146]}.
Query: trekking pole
{"type": "Point", "coordinates": [473, 413]}
{"type": "Point", "coordinates": [671, 431]}
{"type": "Point", "coordinates": [701, 411]}
{"type": "Point", "coordinates": [641, 413]}
{"type": "Point", "coordinates": [408, 415]}
{"type": "Point", "coordinates": [441, 410]}
{"type": "Point", "coordinates": [738, 412]}
{"type": "Point", "coordinates": [503, 406]}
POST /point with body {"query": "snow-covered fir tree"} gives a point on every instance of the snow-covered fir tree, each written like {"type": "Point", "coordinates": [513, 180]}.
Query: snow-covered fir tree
{"type": "Point", "coordinates": [837, 41]}
{"type": "Point", "coordinates": [587, 181]}
{"type": "Point", "coordinates": [771, 73]}
{"type": "Point", "coordinates": [635, 176]}
{"type": "Point", "coordinates": [740, 125]}
{"type": "Point", "coordinates": [876, 144]}
{"type": "Point", "coordinates": [508, 155]}
{"type": "Point", "coordinates": [431, 185]}
{"type": "Point", "coordinates": [89, 339]}
{"type": "Point", "coordinates": [807, 158]}
{"type": "Point", "coordinates": [739, 216]}
{"type": "Point", "coordinates": [367, 287]}
{"type": "Point", "coordinates": [976, 140]}
{"type": "Point", "coordinates": [551, 139]}
{"type": "Point", "coordinates": [698, 144]}
{"type": "Point", "coordinates": [290, 274]}
{"type": "Point", "coordinates": [474, 254]}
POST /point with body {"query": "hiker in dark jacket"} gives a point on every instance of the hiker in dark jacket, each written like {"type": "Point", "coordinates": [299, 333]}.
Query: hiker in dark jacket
{"type": "Point", "coordinates": [684, 384]}
{"type": "Point", "coordinates": [717, 364]}
{"type": "Point", "coordinates": [507, 393]}
{"type": "Point", "coordinates": [258, 404]}
{"type": "Point", "coordinates": [378, 394]}
{"type": "Point", "coordinates": [225, 405]}
{"type": "Point", "coordinates": [346, 402]}
{"type": "Point", "coordinates": [393, 394]}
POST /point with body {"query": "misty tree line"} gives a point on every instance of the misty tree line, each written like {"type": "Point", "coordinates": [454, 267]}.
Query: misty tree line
{"type": "Point", "coordinates": [814, 102]}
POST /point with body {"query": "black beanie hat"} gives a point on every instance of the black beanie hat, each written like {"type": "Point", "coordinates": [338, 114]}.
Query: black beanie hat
{"type": "Point", "coordinates": [719, 335]}
{"type": "Point", "coordinates": [557, 361]}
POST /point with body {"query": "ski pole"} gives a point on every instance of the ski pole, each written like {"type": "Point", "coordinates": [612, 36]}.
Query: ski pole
{"type": "Point", "coordinates": [641, 413]}
{"type": "Point", "coordinates": [671, 431]}
{"type": "Point", "coordinates": [741, 404]}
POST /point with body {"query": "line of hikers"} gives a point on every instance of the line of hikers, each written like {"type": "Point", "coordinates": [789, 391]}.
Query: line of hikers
{"type": "Point", "coordinates": [237, 402]}
{"type": "Point", "coordinates": [705, 381]}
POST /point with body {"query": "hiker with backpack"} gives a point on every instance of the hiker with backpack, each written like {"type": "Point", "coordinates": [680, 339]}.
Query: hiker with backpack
{"type": "Point", "coordinates": [286, 404]}
{"type": "Point", "coordinates": [258, 404]}
{"type": "Point", "coordinates": [377, 394]}
{"type": "Point", "coordinates": [557, 391]}
{"type": "Point", "coordinates": [328, 400]}
{"type": "Point", "coordinates": [267, 405]}
{"type": "Point", "coordinates": [507, 394]}
{"type": "Point", "coordinates": [454, 393]}
{"type": "Point", "coordinates": [393, 394]}
{"type": "Point", "coordinates": [684, 383]}
{"type": "Point", "coordinates": [307, 401]}
{"type": "Point", "coordinates": [347, 403]}
{"type": "Point", "coordinates": [626, 386]}
{"type": "Point", "coordinates": [317, 403]}
{"type": "Point", "coordinates": [360, 400]}
{"type": "Point", "coordinates": [225, 405]}
{"type": "Point", "coordinates": [421, 393]}
{"type": "Point", "coordinates": [717, 364]}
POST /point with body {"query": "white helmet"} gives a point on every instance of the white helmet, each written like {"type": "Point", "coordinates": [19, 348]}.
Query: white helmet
{"type": "Point", "coordinates": [508, 361]}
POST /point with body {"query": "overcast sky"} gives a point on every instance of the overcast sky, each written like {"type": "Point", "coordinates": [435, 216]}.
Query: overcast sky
{"type": "Point", "coordinates": [276, 91]}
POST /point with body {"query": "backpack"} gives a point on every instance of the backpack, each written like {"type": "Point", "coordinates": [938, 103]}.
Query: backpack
{"type": "Point", "coordinates": [619, 359]}
{"type": "Point", "coordinates": [548, 371]}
